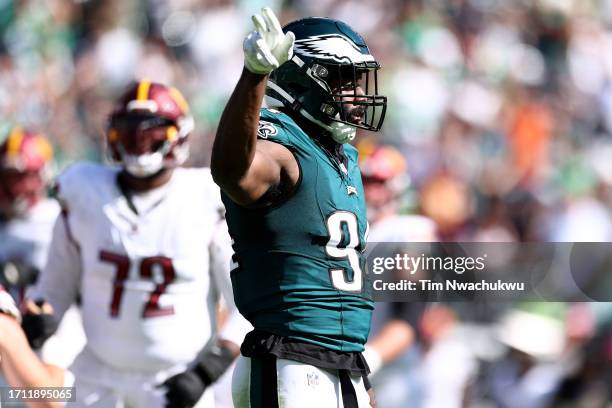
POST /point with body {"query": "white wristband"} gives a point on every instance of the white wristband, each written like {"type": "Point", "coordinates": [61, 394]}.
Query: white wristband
{"type": "Point", "coordinates": [373, 358]}
{"type": "Point", "coordinates": [7, 306]}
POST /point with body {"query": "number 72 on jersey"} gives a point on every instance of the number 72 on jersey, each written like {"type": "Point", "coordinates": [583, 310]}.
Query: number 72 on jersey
{"type": "Point", "coordinates": [146, 269]}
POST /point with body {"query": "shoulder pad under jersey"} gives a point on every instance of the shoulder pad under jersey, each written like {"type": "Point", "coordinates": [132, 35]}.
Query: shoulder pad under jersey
{"type": "Point", "coordinates": [82, 183]}
{"type": "Point", "coordinates": [199, 186]}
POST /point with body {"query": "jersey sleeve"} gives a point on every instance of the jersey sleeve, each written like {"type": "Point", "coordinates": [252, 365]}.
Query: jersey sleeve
{"type": "Point", "coordinates": [220, 249]}
{"type": "Point", "coordinates": [71, 186]}
{"type": "Point", "coordinates": [59, 280]}
{"type": "Point", "coordinates": [58, 283]}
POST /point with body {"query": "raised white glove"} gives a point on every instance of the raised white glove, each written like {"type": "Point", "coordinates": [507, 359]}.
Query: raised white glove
{"type": "Point", "coordinates": [7, 305]}
{"type": "Point", "coordinates": [267, 48]}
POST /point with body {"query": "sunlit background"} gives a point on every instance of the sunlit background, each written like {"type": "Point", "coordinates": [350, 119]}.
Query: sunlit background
{"type": "Point", "coordinates": [502, 111]}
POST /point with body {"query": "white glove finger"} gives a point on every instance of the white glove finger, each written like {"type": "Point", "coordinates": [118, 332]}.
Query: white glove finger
{"type": "Point", "coordinates": [271, 21]}
{"type": "Point", "coordinates": [285, 49]}
{"type": "Point", "coordinates": [257, 55]}
{"type": "Point", "coordinates": [260, 24]}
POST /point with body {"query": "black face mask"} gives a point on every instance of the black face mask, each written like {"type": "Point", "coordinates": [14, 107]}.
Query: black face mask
{"type": "Point", "coordinates": [132, 123]}
{"type": "Point", "coordinates": [364, 109]}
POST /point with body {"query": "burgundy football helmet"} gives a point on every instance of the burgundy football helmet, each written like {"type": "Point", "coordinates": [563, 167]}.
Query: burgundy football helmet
{"type": "Point", "coordinates": [384, 175]}
{"type": "Point", "coordinates": [25, 170]}
{"type": "Point", "coordinates": [148, 129]}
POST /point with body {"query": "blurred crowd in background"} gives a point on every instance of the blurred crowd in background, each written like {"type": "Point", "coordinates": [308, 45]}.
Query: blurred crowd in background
{"type": "Point", "coordinates": [501, 109]}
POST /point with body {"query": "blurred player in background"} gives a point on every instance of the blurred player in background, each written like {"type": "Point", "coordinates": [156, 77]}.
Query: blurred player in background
{"type": "Point", "coordinates": [437, 361]}
{"type": "Point", "coordinates": [383, 171]}
{"type": "Point", "coordinates": [26, 222]}
{"type": "Point", "coordinates": [26, 214]}
{"type": "Point", "coordinates": [394, 324]}
{"type": "Point", "coordinates": [145, 246]}
{"type": "Point", "coordinates": [296, 210]}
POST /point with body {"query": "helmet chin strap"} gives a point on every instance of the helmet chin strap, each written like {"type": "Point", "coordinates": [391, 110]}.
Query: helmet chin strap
{"type": "Point", "coordinates": [340, 132]}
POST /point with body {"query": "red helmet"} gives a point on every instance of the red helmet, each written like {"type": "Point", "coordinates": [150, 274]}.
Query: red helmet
{"type": "Point", "coordinates": [25, 167]}
{"type": "Point", "coordinates": [148, 129]}
{"type": "Point", "coordinates": [383, 171]}
{"type": "Point", "coordinates": [381, 163]}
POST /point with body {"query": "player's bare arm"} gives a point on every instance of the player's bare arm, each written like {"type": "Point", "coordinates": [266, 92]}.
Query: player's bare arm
{"type": "Point", "coordinates": [244, 167]}
{"type": "Point", "coordinates": [18, 363]}
{"type": "Point", "coordinates": [395, 337]}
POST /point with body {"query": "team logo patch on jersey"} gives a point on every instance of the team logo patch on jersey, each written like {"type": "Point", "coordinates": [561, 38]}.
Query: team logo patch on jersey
{"type": "Point", "coordinates": [313, 379]}
{"type": "Point", "coordinates": [266, 129]}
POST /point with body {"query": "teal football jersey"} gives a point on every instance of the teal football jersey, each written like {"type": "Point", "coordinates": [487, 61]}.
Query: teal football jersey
{"type": "Point", "coordinates": [300, 267]}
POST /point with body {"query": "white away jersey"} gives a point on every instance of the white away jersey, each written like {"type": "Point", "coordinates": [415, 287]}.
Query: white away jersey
{"type": "Point", "coordinates": [148, 282]}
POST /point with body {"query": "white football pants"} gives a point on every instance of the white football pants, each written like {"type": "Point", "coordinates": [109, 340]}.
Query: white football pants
{"type": "Point", "coordinates": [297, 385]}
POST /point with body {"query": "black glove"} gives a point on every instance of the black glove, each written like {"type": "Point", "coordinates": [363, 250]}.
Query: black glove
{"type": "Point", "coordinates": [17, 274]}
{"type": "Point", "coordinates": [186, 389]}
{"type": "Point", "coordinates": [38, 327]}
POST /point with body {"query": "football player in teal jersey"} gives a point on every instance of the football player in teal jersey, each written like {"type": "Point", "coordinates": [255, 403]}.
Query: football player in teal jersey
{"type": "Point", "coordinates": [296, 211]}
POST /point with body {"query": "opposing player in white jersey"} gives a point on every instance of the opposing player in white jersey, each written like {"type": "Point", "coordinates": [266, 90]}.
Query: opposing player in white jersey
{"type": "Point", "coordinates": [145, 245]}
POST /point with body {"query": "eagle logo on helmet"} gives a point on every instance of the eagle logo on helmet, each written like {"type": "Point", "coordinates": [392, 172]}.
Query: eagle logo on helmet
{"type": "Point", "coordinates": [332, 68]}
{"type": "Point", "coordinates": [333, 47]}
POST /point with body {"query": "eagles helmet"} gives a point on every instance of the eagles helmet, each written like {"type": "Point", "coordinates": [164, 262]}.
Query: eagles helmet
{"type": "Point", "coordinates": [149, 128]}
{"type": "Point", "coordinates": [331, 80]}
